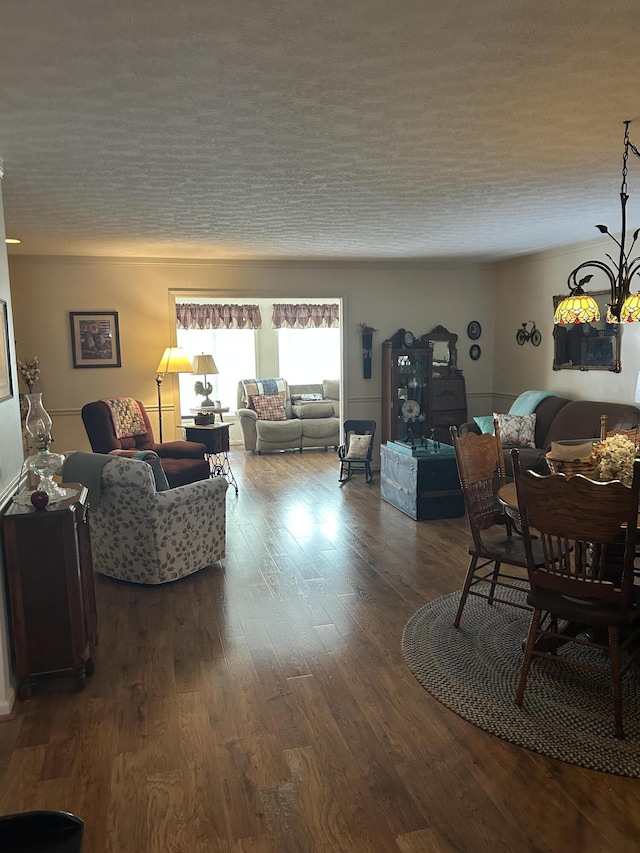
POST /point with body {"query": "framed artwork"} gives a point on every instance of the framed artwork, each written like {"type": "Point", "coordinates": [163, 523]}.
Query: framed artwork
{"type": "Point", "coordinates": [475, 352]}
{"type": "Point", "coordinates": [6, 385]}
{"type": "Point", "coordinates": [95, 338]}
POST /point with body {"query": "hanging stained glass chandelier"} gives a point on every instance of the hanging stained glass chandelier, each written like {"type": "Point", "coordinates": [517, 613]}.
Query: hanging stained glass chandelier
{"type": "Point", "coordinates": [624, 306]}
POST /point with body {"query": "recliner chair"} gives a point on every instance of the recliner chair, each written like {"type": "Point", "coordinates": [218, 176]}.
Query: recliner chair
{"type": "Point", "coordinates": [144, 536]}
{"type": "Point", "coordinates": [183, 461]}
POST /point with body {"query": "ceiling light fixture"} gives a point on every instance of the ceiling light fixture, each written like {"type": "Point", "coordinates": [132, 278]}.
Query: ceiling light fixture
{"type": "Point", "coordinates": [12, 241]}
{"type": "Point", "coordinates": [624, 307]}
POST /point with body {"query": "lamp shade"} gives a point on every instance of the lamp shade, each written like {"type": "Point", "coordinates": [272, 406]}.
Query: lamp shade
{"type": "Point", "coordinates": [630, 312]}
{"type": "Point", "coordinates": [203, 364]}
{"type": "Point", "coordinates": [577, 308]}
{"type": "Point", "coordinates": [175, 360]}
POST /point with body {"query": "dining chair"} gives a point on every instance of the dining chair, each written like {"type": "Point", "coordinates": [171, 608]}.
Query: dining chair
{"type": "Point", "coordinates": [481, 470]}
{"type": "Point", "coordinates": [588, 530]}
{"type": "Point", "coordinates": [632, 434]}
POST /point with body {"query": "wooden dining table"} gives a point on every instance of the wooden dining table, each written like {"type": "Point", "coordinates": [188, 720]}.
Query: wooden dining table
{"type": "Point", "coordinates": [508, 497]}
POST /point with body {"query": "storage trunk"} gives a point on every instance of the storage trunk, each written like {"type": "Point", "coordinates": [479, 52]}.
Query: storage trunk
{"type": "Point", "coordinates": [423, 483]}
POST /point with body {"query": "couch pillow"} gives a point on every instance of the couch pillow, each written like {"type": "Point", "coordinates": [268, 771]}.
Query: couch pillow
{"type": "Point", "coordinates": [269, 407]}
{"type": "Point", "coordinates": [358, 447]}
{"type": "Point", "coordinates": [485, 422]}
{"type": "Point", "coordinates": [321, 409]}
{"type": "Point", "coordinates": [517, 430]}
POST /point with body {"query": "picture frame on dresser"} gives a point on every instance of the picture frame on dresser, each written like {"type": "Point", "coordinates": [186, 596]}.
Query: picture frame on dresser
{"type": "Point", "coordinates": [95, 338]}
{"type": "Point", "coordinates": [6, 383]}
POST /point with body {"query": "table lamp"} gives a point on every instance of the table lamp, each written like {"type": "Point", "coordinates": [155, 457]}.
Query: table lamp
{"type": "Point", "coordinates": [203, 364]}
{"type": "Point", "coordinates": [174, 360]}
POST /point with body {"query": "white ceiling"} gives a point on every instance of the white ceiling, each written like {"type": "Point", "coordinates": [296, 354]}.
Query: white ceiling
{"type": "Point", "coordinates": [324, 129]}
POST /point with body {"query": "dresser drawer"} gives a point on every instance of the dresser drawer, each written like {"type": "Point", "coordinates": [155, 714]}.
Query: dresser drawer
{"type": "Point", "coordinates": [448, 394]}
{"type": "Point", "coordinates": [447, 419]}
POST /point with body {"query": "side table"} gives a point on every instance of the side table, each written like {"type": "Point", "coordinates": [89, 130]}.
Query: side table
{"type": "Point", "coordinates": [215, 437]}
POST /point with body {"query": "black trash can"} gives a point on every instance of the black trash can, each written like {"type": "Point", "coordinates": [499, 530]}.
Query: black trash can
{"type": "Point", "coordinates": [41, 832]}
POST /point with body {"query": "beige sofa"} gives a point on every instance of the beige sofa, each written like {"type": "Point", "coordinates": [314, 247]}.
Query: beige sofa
{"type": "Point", "coordinates": [307, 424]}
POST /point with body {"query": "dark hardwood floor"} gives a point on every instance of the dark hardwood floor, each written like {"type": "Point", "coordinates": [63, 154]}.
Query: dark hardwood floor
{"type": "Point", "coordinates": [264, 705]}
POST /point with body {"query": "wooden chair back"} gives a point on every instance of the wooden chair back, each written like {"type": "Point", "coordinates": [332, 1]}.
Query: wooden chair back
{"type": "Point", "coordinates": [632, 434]}
{"type": "Point", "coordinates": [481, 469]}
{"type": "Point", "coordinates": [584, 527]}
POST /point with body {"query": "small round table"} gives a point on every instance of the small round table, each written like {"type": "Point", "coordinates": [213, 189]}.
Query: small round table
{"type": "Point", "coordinates": [211, 410]}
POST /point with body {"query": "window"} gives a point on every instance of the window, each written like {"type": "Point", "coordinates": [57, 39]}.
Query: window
{"type": "Point", "coordinates": [307, 356]}
{"type": "Point", "coordinates": [234, 353]}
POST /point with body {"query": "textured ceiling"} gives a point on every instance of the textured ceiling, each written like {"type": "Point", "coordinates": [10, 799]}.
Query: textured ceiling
{"type": "Point", "coordinates": [322, 129]}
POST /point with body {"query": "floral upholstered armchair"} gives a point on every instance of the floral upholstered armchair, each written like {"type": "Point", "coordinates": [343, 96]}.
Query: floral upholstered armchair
{"type": "Point", "coordinates": [145, 536]}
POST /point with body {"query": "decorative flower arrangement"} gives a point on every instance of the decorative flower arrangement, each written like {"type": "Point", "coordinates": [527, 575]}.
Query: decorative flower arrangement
{"type": "Point", "coordinates": [365, 329]}
{"type": "Point", "coordinates": [614, 458]}
{"type": "Point", "coordinates": [29, 371]}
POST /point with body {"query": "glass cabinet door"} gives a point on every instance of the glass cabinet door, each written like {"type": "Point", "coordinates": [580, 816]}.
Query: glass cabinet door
{"type": "Point", "coordinates": [409, 375]}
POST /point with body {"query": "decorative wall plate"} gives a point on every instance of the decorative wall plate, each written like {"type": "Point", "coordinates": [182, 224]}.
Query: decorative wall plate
{"type": "Point", "coordinates": [410, 409]}
{"type": "Point", "coordinates": [474, 330]}
{"type": "Point", "coordinates": [475, 352]}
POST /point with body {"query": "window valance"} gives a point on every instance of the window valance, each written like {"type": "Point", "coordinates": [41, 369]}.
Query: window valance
{"type": "Point", "coordinates": [195, 315]}
{"type": "Point", "coordinates": [305, 316]}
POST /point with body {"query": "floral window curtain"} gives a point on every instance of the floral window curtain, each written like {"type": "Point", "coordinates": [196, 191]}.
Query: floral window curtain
{"type": "Point", "coordinates": [194, 315]}
{"type": "Point", "coordinates": [305, 316]}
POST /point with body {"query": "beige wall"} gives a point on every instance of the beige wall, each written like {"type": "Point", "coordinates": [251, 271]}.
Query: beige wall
{"type": "Point", "coordinates": [524, 291]}
{"type": "Point", "coordinates": [387, 296]}
{"type": "Point", "coordinates": [10, 466]}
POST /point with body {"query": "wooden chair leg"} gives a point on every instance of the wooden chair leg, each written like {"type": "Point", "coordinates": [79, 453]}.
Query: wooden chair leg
{"type": "Point", "coordinates": [616, 679]}
{"type": "Point", "coordinates": [494, 579]}
{"type": "Point", "coordinates": [528, 654]}
{"type": "Point", "coordinates": [465, 590]}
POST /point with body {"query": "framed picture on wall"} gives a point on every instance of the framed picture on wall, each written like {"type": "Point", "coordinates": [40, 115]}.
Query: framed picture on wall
{"type": "Point", "coordinates": [95, 338]}
{"type": "Point", "coordinates": [6, 386]}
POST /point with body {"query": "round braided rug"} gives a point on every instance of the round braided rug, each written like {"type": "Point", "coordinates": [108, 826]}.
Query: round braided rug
{"type": "Point", "coordinates": [567, 712]}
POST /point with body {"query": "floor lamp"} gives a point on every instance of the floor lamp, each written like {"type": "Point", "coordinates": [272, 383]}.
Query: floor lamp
{"type": "Point", "coordinates": [174, 360]}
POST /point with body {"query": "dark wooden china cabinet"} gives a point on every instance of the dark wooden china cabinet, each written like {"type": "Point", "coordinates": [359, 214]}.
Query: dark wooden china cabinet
{"type": "Point", "coordinates": [423, 392]}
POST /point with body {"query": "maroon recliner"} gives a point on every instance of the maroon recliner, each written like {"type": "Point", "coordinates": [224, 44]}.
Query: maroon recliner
{"type": "Point", "coordinates": [183, 461]}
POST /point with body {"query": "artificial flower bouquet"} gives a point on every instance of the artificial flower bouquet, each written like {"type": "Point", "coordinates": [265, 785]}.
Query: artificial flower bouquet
{"type": "Point", "coordinates": [614, 457]}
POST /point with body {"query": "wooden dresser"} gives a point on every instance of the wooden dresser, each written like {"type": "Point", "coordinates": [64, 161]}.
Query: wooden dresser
{"type": "Point", "coordinates": [448, 405]}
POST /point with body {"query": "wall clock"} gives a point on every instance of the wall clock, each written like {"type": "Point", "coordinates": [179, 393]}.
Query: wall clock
{"type": "Point", "coordinates": [475, 352]}
{"type": "Point", "coordinates": [474, 330]}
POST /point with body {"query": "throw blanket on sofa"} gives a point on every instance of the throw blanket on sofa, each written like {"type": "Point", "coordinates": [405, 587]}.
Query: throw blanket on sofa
{"type": "Point", "coordinates": [528, 401]}
{"type": "Point", "coordinates": [85, 468]}
{"type": "Point", "coordinates": [253, 387]}
{"type": "Point", "coordinates": [126, 416]}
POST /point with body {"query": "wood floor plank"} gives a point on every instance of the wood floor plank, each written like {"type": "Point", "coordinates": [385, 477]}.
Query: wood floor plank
{"type": "Point", "coordinates": [263, 706]}
{"type": "Point", "coordinates": [126, 822]}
